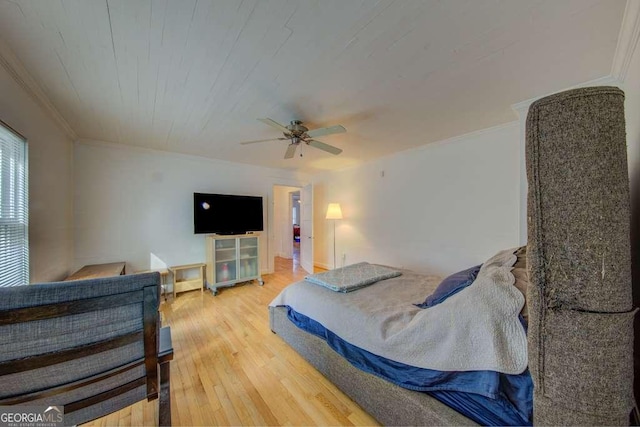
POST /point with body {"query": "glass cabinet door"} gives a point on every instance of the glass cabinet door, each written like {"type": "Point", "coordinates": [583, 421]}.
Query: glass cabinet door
{"type": "Point", "coordinates": [225, 254]}
{"type": "Point", "coordinates": [248, 257]}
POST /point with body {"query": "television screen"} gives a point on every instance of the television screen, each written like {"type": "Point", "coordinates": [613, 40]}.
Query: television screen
{"type": "Point", "coordinates": [226, 213]}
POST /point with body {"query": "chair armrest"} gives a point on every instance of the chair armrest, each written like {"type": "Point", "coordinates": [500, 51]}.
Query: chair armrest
{"type": "Point", "coordinates": [165, 351]}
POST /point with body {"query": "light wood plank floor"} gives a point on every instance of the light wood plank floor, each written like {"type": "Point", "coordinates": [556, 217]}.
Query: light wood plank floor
{"type": "Point", "coordinates": [230, 369]}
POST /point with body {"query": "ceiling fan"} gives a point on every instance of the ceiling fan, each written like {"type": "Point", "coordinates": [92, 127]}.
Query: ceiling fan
{"type": "Point", "coordinates": [296, 133]}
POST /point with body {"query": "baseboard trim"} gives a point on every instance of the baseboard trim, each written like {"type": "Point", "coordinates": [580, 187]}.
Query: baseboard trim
{"type": "Point", "coordinates": [322, 265]}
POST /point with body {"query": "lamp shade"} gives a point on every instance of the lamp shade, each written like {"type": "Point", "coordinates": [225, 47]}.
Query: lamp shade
{"type": "Point", "coordinates": [334, 211]}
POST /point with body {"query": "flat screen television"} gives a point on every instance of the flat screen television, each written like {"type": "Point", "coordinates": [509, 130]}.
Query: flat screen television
{"type": "Point", "coordinates": [226, 213]}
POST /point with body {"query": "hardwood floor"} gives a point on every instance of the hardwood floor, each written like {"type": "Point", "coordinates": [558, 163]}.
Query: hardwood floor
{"type": "Point", "coordinates": [230, 369]}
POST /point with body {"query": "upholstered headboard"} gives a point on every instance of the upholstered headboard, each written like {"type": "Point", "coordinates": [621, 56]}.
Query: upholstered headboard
{"type": "Point", "coordinates": [578, 255]}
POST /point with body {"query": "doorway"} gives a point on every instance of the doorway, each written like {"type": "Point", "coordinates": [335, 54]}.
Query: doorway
{"type": "Point", "coordinates": [290, 225]}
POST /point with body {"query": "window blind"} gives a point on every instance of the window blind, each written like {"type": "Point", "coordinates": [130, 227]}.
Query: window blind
{"type": "Point", "coordinates": [14, 209]}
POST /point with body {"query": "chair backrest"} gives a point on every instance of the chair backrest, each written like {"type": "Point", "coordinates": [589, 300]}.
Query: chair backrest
{"type": "Point", "coordinates": [90, 345]}
{"type": "Point", "coordinates": [579, 259]}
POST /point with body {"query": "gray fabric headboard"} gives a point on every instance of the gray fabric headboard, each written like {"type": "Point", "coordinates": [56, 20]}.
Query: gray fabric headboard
{"type": "Point", "coordinates": [578, 255]}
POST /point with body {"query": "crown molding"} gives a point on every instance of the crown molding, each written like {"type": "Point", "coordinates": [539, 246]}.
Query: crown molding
{"type": "Point", "coordinates": [627, 40]}
{"type": "Point", "coordinates": [523, 106]}
{"type": "Point", "coordinates": [10, 62]}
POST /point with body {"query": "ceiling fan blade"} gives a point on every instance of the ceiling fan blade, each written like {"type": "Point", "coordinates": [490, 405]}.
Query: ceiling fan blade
{"type": "Point", "coordinates": [275, 125]}
{"type": "Point", "coordinates": [291, 150]}
{"type": "Point", "coordinates": [326, 131]}
{"type": "Point", "coordinates": [324, 147]}
{"type": "Point", "coordinates": [262, 140]}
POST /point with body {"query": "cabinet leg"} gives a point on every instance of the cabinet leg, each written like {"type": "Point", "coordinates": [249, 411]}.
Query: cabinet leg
{"type": "Point", "coordinates": [260, 281]}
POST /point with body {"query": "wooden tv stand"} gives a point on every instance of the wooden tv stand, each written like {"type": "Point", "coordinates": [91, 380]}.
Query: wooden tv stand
{"type": "Point", "coordinates": [232, 259]}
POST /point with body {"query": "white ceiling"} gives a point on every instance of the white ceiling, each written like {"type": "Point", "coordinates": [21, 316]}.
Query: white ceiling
{"type": "Point", "coordinates": [192, 76]}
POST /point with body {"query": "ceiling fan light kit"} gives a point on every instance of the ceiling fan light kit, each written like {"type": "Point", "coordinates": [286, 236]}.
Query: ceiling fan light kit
{"type": "Point", "coordinates": [297, 133]}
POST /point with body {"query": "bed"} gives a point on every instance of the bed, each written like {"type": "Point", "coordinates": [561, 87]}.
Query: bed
{"type": "Point", "coordinates": [579, 328]}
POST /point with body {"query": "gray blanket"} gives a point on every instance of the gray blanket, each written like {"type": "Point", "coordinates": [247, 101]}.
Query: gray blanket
{"type": "Point", "coordinates": [476, 329]}
{"type": "Point", "coordinates": [352, 277]}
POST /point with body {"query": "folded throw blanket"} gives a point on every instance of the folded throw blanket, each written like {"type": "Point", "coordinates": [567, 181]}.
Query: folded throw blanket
{"type": "Point", "coordinates": [352, 277]}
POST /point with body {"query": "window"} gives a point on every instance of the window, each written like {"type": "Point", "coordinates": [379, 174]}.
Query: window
{"type": "Point", "coordinates": [14, 215]}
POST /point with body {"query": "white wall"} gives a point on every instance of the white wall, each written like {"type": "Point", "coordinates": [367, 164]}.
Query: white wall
{"type": "Point", "coordinates": [283, 226]}
{"type": "Point", "coordinates": [631, 87]}
{"type": "Point", "coordinates": [50, 182]}
{"type": "Point", "coordinates": [442, 207]}
{"type": "Point", "coordinates": [135, 204]}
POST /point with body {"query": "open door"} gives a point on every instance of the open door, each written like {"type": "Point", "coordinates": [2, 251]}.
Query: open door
{"type": "Point", "coordinates": [306, 228]}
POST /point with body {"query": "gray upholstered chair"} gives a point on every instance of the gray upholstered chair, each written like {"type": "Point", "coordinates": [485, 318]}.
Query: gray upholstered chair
{"type": "Point", "coordinates": [93, 346]}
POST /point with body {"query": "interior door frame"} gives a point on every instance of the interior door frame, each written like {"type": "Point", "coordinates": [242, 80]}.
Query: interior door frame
{"type": "Point", "coordinates": [306, 233]}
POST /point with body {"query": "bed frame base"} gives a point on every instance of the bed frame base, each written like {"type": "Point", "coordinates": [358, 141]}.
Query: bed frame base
{"type": "Point", "coordinates": [388, 403]}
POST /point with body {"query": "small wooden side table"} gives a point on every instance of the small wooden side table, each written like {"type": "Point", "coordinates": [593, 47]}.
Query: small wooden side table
{"type": "Point", "coordinates": [182, 283]}
{"type": "Point", "coordinates": [164, 273]}
{"type": "Point", "coordinates": [98, 270]}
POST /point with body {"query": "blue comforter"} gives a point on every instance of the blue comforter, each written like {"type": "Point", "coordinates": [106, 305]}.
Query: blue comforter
{"type": "Point", "coordinates": [487, 397]}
